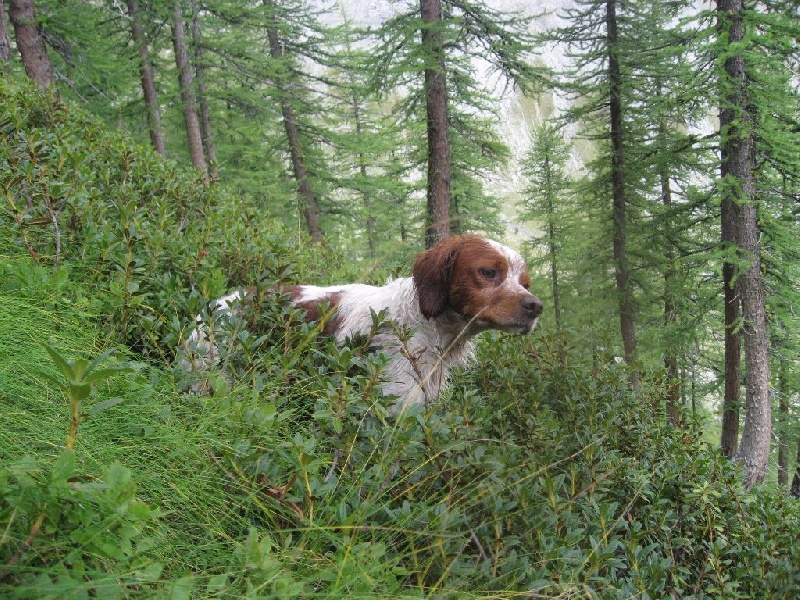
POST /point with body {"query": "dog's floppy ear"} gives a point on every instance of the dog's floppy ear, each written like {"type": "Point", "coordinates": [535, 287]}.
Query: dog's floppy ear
{"type": "Point", "coordinates": [431, 273]}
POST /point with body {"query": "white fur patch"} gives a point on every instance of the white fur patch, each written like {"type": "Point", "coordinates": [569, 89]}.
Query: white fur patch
{"type": "Point", "coordinates": [516, 266]}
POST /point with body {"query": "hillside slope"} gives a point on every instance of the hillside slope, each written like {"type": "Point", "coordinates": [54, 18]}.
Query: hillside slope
{"type": "Point", "coordinates": [533, 478]}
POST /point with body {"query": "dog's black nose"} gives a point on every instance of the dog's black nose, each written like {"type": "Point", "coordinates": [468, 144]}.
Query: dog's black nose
{"type": "Point", "coordinates": [532, 304]}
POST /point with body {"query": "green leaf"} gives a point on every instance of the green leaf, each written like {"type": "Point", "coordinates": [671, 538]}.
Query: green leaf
{"type": "Point", "coordinates": [217, 584]}
{"type": "Point", "coordinates": [59, 383]}
{"type": "Point", "coordinates": [79, 391]}
{"type": "Point", "coordinates": [100, 374]}
{"type": "Point", "coordinates": [79, 367]}
{"type": "Point", "coordinates": [118, 477]}
{"type": "Point", "coordinates": [98, 360]}
{"type": "Point", "coordinates": [64, 466]}
{"type": "Point", "coordinates": [182, 589]}
{"type": "Point", "coordinates": [103, 405]}
{"type": "Point", "coordinates": [63, 365]}
{"type": "Point", "coordinates": [150, 573]}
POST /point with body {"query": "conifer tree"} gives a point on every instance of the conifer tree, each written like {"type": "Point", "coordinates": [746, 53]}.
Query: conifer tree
{"type": "Point", "coordinates": [733, 316]}
{"type": "Point", "coordinates": [93, 59]}
{"type": "Point", "coordinates": [310, 208]}
{"type": "Point", "coordinates": [249, 139]}
{"type": "Point", "coordinates": [547, 201]}
{"type": "Point", "coordinates": [770, 66]}
{"type": "Point", "coordinates": [597, 81]}
{"type": "Point", "coordinates": [635, 98]}
{"type": "Point", "coordinates": [737, 187]}
{"type": "Point", "coordinates": [476, 151]}
{"type": "Point", "coordinates": [438, 130]}
{"type": "Point", "coordinates": [438, 39]}
{"type": "Point", "coordinates": [209, 151]}
{"type": "Point", "coordinates": [264, 70]}
{"type": "Point", "coordinates": [666, 108]}
{"type": "Point", "coordinates": [366, 151]}
{"type": "Point", "coordinates": [618, 192]}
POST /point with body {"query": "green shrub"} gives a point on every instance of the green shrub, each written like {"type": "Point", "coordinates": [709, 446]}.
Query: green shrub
{"type": "Point", "coordinates": [150, 242]}
{"type": "Point", "coordinates": [530, 477]}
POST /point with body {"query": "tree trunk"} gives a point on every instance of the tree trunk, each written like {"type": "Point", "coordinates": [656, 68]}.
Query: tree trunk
{"type": "Point", "coordinates": [202, 98]}
{"type": "Point", "coordinates": [148, 80]}
{"type": "Point", "coordinates": [795, 490]}
{"type": "Point", "coordinates": [737, 153]}
{"type": "Point", "coordinates": [733, 344]}
{"type": "Point", "coordinates": [626, 309]}
{"type": "Point", "coordinates": [783, 434]}
{"type": "Point", "coordinates": [310, 208]}
{"type": "Point", "coordinates": [672, 350]}
{"type": "Point", "coordinates": [5, 41]}
{"type": "Point", "coordinates": [439, 160]}
{"type": "Point", "coordinates": [757, 432]}
{"type": "Point", "coordinates": [186, 82]}
{"type": "Point", "coordinates": [552, 245]}
{"type": "Point", "coordinates": [31, 43]}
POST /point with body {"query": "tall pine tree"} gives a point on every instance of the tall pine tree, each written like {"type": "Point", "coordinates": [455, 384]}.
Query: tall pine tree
{"type": "Point", "coordinates": [737, 186]}
{"type": "Point", "coordinates": [425, 48]}
{"type": "Point", "coordinates": [548, 201]}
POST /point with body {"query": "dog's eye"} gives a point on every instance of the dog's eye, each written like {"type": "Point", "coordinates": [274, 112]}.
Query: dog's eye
{"type": "Point", "coordinates": [488, 273]}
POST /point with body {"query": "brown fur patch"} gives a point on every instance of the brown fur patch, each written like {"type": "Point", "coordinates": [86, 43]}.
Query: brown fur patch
{"type": "Point", "coordinates": [316, 309]}
{"type": "Point", "coordinates": [431, 274]}
{"type": "Point", "coordinates": [468, 274]}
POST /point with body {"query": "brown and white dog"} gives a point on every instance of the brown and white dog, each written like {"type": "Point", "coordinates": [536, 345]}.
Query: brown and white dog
{"type": "Point", "coordinates": [462, 286]}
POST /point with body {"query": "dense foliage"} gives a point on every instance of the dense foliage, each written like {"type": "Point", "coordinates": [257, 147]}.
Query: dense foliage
{"type": "Point", "coordinates": [543, 476]}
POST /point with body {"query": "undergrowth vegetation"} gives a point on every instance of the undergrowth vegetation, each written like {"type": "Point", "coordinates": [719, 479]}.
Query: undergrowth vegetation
{"type": "Point", "coordinates": [532, 477]}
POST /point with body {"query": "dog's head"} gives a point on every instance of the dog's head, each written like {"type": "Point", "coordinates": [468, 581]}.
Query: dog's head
{"type": "Point", "coordinates": [482, 280]}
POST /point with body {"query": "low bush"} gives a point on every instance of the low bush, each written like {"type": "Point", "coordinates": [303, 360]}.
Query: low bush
{"type": "Point", "coordinates": [535, 479]}
{"type": "Point", "coordinates": [151, 243]}
{"type": "Point", "coordinates": [530, 477]}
